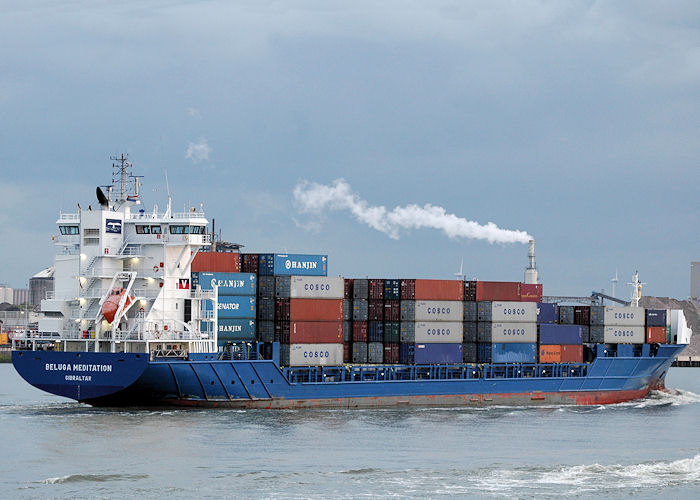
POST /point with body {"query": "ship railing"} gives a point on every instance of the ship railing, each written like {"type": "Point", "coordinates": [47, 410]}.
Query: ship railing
{"type": "Point", "coordinates": [62, 216]}
{"type": "Point", "coordinates": [382, 373]}
{"type": "Point", "coordinates": [198, 293]}
{"type": "Point", "coordinates": [179, 215]}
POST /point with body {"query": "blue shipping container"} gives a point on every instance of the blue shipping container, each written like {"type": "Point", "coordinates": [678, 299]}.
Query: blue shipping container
{"type": "Point", "coordinates": [483, 352]}
{"type": "Point", "coordinates": [428, 354]}
{"type": "Point", "coordinates": [229, 283]}
{"type": "Point", "coordinates": [513, 353]}
{"type": "Point", "coordinates": [236, 329]}
{"type": "Point", "coordinates": [547, 312]}
{"type": "Point", "coordinates": [376, 331]}
{"type": "Point", "coordinates": [278, 264]}
{"type": "Point", "coordinates": [560, 334]}
{"type": "Point", "coordinates": [656, 317]}
{"type": "Point", "coordinates": [236, 306]}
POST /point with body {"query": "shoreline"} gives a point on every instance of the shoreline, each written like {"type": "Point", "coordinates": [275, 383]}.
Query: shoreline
{"type": "Point", "coordinates": [6, 356]}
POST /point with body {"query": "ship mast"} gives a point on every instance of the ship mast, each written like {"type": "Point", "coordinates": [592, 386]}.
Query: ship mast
{"type": "Point", "coordinates": [636, 290]}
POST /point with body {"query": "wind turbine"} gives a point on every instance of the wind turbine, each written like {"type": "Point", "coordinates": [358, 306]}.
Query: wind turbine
{"type": "Point", "coordinates": [614, 283]}
{"type": "Point", "coordinates": [460, 274]}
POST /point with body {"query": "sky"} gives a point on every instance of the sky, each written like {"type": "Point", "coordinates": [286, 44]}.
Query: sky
{"type": "Point", "coordinates": [577, 123]}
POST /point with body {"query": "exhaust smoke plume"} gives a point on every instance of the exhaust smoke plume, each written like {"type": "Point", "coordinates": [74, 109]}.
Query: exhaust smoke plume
{"type": "Point", "coordinates": [315, 198]}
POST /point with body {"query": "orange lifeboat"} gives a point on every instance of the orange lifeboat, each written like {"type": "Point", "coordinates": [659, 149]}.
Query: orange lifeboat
{"type": "Point", "coordinates": [110, 306]}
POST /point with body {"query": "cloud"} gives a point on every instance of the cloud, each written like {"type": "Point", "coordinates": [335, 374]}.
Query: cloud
{"type": "Point", "coordinates": [199, 151]}
{"type": "Point", "coordinates": [194, 113]}
{"type": "Point", "coordinates": [315, 198]}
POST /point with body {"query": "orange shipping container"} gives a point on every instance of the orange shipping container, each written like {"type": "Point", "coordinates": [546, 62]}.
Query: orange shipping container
{"type": "Point", "coordinates": [572, 354]}
{"type": "Point", "coordinates": [498, 290]}
{"type": "Point", "coordinates": [216, 262]}
{"type": "Point", "coordinates": [656, 334]}
{"type": "Point", "coordinates": [550, 354]}
{"type": "Point", "coordinates": [316, 309]}
{"type": "Point", "coordinates": [531, 292]}
{"type": "Point", "coordinates": [5, 340]}
{"type": "Point", "coordinates": [439, 290]}
{"type": "Point", "coordinates": [312, 332]}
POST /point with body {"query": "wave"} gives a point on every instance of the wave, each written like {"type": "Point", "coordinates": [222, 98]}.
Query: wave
{"type": "Point", "coordinates": [94, 478]}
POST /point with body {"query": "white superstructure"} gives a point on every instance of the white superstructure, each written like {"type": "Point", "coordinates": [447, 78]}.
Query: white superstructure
{"type": "Point", "coordinates": [119, 245]}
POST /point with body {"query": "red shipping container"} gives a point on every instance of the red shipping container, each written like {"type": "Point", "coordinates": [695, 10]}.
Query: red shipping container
{"type": "Point", "coordinates": [408, 289]}
{"type": "Point", "coordinates": [359, 331]}
{"type": "Point", "coordinates": [550, 353]}
{"type": "Point", "coordinates": [572, 354]}
{"type": "Point", "coordinates": [347, 351]}
{"type": "Point", "coordinates": [312, 332]}
{"type": "Point", "coordinates": [216, 262]}
{"type": "Point", "coordinates": [498, 290]}
{"type": "Point", "coordinates": [656, 334]}
{"type": "Point", "coordinates": [309, 310]}
{"type": "Point", "coordinates": [439, 290]}
{"type": "Point", "coordinates": [582, 315]}
{"type": "Point", "coordinates": [348, 288]}
{"type": "Point", "coordinates": [470, 291]}
{"type": "Point", "coordinates": [391, 353]}
{"type": "Point", "coordinates": [375, 310]}
{"type": "Point", "coordinates": [250, 263]}
{"type": "Point", "coordinates": [531, 292]}
{"type": "Point", "coordinates": [392, 310]}
{"type": "Point", "coordinates": [376, 289]}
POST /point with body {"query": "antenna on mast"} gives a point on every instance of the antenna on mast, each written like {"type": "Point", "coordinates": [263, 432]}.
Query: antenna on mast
{"type": "Point", "coordinates": [167, 187]}
{"type": "Point", "coordinates": [636, 290]}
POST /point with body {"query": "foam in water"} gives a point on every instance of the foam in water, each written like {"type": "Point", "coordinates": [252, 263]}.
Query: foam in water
{"type": "Point", "coordinates": [97, 478]}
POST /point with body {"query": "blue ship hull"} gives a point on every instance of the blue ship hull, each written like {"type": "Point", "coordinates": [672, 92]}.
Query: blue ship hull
{"type": "Point", "coordinates": [117, 379]}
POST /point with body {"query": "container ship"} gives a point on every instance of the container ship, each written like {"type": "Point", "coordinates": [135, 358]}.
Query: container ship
{"type": "Point", "coordinates": [144, 313]}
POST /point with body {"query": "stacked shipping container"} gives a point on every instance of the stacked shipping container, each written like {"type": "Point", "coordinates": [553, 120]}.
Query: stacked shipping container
{"type": "Point", "coordinates": [327, 321]}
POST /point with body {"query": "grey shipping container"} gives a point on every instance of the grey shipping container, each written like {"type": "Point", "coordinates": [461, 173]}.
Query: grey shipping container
{"type": "Point", "coordinates": [597, 315]}
{"type": "Point", "coordinates": [469, 331]}
{"type": "Point", "coordinates": [566, 315]}
{"type": "Point", "coordinates": [596, 334]}
{"type": "Point", "coordinates": [620, 334]}
{"type": "Point", "coordinates": [347, 331]}
{"type": "Point", "coordinates": [375, 352]}
{"type": "Point", "coordinates": [435, 332]}
{"type": "Point", "coordinates": [311, 354]}
{"type": "Point", "coordinates": [408, 310]}
{"type": "Point", "coordinates": [359, 352]}
{"type": "Point", "coordinates": [469, 352]}
{"type": "Point", "coordinates": [624, 316]}
{"type": "Point", "coordinates": [309, 287]}
{"type": "Point", "coordinates": [470, 311]}
{"type": "Point", "coordinates": [360, 289]}
{"type": "Point", "coordinates": [585, 334]}
{"type": "Point", "coordinates": [359, 309]}
{"type": "Point", "coordinates": [266, 286]}
{"type": "Point", "coordinates": [439, 310]}
{"type": "Point", "coordinates": [266, 309]}
{"type": "Point", "coordinates": [507, 332]}
{"type": "Point", "coordinates": [266, 331]}
{"type": "Point", "coordinates": [347, 309]}
{"type": "Point", "coordinates": [507, 312]}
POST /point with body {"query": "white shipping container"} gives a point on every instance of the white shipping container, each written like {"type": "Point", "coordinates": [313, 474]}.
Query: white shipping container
{"type": "Point", "coordinates": [624, 316]}
{"type": "Point", "coordinates": [439, 310]}
{"type": "Point", "coordinates": [317, 287]}
{"type": "Point", "coordinates": [514, 332]}
{"type": "Point", "coordinates": [520, 312]}
{"type": "Point", "coordinates": [315, 354]}
{"type": "Point", "coordinates": [442, 332]}
{"type": "Point", "coordinates": [623, 334]}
